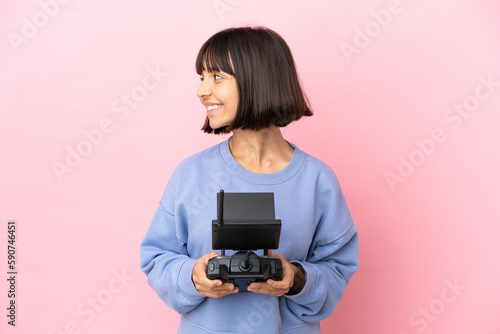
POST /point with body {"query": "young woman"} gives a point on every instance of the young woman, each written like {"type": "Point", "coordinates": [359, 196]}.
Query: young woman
{"type": "Point", "coordinates": [249, 86]}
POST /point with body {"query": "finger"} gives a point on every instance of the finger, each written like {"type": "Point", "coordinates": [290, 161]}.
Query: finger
{"type": "Point", "coordinates": [231, 287]}
{"type": "Point", "coordinates": [208, 284]}
{"type": "Point", "coordinates": [200, 268]}
{"type": "Point", "coordinates": [200, 279]}
{"type": "Point", "coordinates": [225, 286]}
{"type": "Point", "coordinates": [211, 255]}
{"type": "Point", "coordinates": [217, 285]}
{"type": "Point", "coordinates": [224, 290]}
{"type": "Point", "coordinates": [288, 273]}
{"type": "Point", "coordinates": [284, 284]}
{"type": "Point", "coordinates": [278, 255]}
{"type": "Point", "coordinates": [259, 288]}
{"type": "Point", "coordinates": [208, 256]}
{"type": "Point", "coordinates": [266, 288]}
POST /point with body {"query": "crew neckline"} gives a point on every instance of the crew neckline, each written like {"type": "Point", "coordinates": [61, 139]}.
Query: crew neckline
{"type": "Point", "coordinates": [261, 178]}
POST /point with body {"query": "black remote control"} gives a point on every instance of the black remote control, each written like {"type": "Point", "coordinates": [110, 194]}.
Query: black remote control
{"type": "Point", "coordinates": [249, 224]}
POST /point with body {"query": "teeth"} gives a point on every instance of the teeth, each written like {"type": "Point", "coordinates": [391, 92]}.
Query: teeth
{"type": "Point", "coordinates": [214, 107]}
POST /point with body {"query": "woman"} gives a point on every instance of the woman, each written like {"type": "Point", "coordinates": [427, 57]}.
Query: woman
{"type": "Point", "coordinates": [249, 86]}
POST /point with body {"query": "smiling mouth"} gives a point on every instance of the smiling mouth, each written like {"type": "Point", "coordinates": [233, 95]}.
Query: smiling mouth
{"type": "Point", "coordinates": [214, 107]}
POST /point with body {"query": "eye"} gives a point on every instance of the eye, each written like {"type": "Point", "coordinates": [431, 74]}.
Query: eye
{"type": "Point", "coordinates": [217, 77]}
{"type": "Point", "coordinates": [201, 78]}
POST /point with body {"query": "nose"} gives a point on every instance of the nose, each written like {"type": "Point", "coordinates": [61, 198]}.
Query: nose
{"type": "Point", "coordinates": [204, 89]}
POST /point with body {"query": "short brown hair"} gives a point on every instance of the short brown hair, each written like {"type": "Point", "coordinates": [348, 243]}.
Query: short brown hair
{"type": "Point", "coordinates": [263, 66]}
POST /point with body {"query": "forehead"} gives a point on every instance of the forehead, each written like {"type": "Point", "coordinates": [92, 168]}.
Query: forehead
{"type": "Point", "coordinates": [213, 59]}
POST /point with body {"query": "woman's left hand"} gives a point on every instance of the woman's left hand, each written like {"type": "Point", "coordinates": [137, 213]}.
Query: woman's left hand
{"type": "Point", "coordinates": [276, 288]}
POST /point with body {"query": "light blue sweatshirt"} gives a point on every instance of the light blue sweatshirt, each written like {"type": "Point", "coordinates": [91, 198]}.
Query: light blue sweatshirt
{"type": "Point", "coordinates": [317, 234]}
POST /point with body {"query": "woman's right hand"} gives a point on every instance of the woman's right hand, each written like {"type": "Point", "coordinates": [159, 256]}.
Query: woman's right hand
{"type": "Point", "coordinates": [207, 287]}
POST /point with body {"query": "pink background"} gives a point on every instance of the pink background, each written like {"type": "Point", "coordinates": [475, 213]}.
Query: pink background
{"type": "Point", "coordinates": [428, 241]}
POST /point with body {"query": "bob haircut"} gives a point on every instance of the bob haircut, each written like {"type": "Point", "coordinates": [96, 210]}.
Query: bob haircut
{"type": "Point", "coordinates": [262, 64]}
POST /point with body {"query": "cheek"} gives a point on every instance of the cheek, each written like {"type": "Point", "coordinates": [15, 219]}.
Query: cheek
{"type": "Point", "coordinates": [230, 101]}
{"type": "Point", "coordinates": [235, 99]}
{"type": "Point", "coordinates": [234, 107]}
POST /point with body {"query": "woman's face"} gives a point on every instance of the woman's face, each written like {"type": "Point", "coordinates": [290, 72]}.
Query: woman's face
{"type": "Point", "coordinates": [218, 92]}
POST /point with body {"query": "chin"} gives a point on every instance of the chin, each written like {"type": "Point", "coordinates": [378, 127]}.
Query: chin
{"type": "Point", "coordinates": [217, 125]}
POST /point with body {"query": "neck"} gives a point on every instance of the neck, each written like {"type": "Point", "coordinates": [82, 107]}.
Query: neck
{"type": "Point", "coordinates": [263, 151]}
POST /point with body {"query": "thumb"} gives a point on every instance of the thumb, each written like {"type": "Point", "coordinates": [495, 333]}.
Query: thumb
{"type": "Point", "coordinates": [210, 255]}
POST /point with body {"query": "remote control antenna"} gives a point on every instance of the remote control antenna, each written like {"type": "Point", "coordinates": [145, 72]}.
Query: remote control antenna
{"type": "Point", "coordinates": [220, 206]}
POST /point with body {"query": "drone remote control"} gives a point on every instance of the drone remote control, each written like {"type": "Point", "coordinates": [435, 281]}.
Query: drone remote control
{"type": "Point", "coordinates": [253, 228]}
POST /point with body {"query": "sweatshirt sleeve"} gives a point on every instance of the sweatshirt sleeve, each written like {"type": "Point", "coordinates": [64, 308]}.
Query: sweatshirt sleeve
{"type": "Point", "coordinates": [331, 261]}
{"type": "Point", "coordinates": [164, 258]}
